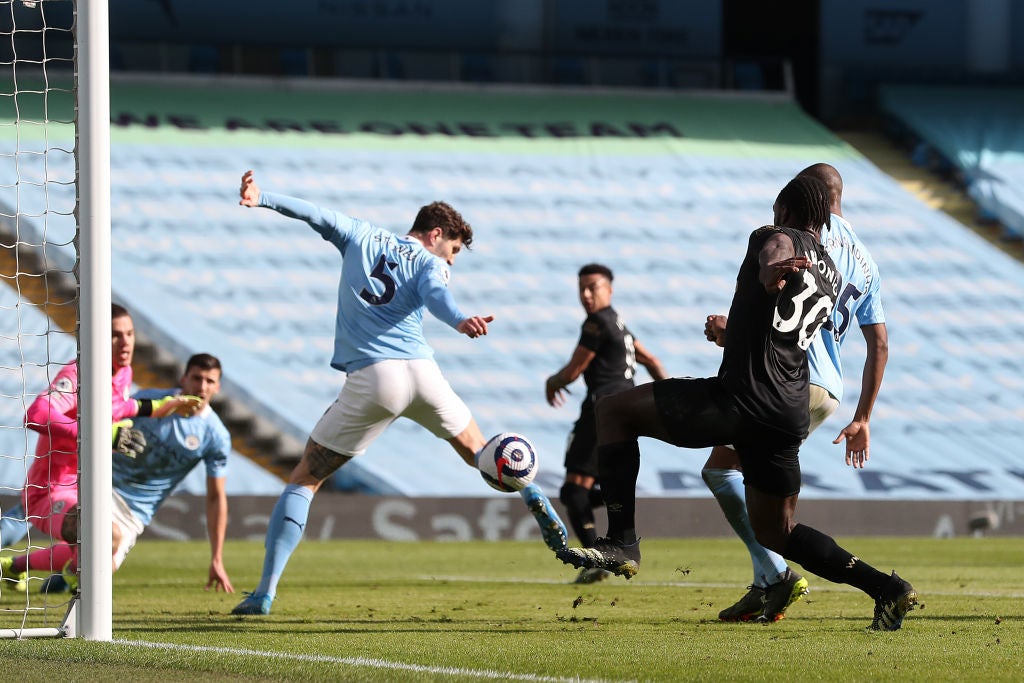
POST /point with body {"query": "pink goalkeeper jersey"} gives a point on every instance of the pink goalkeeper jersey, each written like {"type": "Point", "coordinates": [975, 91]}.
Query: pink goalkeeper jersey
{"type": "Point", "coordinates": [54, 414]}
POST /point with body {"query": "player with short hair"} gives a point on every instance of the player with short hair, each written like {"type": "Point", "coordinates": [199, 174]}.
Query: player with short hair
{"type": "Point", "coordinates": [387, 280]}
{"type": "Point", "coordinates": [175, 445]}
{"type": "Point", "coordinates": [606, 355]}
{"type": "Point", "coordinates": [50, 495]}
{"type": "Point", "coordinates": [775, 585]}
{"type": "Point", "coordinates": [785, 290]}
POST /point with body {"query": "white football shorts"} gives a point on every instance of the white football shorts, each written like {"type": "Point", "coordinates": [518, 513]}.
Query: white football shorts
{"type": "Point", "coordinates": [821, 406]}
{"type": "Point", "coordinates": [130, 526]}
{"type": "Point", "coordinates": [375, 396]}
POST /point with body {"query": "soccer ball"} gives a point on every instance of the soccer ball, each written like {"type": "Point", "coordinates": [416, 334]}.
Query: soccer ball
{"type": "Point", "coordinates": [508, 462]}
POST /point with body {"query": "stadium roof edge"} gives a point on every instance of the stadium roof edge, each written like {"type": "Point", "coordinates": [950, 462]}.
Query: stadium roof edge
{"type": "Point", "coordinates": [405, 86]}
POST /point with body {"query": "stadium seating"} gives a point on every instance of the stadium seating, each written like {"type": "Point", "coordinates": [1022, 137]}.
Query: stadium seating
{"type": "Point", "coordinates": [670, 214]}
{"type": "Point", "coordinates": [976, 130]}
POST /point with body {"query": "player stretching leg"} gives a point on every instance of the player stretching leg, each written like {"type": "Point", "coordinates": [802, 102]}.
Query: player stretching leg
{"type": "Point", "coordinates": [785, 290]}
{"type": "Point", "coordinates": [775, 585]}
{"type": "Point", "coordinates": [387, 281]}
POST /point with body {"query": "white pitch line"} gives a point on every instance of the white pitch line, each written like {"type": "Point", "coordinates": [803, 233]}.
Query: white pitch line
{"type": "Point", "coordinates": [363, 662]}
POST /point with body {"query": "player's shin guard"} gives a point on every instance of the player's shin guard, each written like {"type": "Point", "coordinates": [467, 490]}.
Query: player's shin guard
{"type": "Point", "coordinates": [819, 553]}
{"type": "Point", "coordinates": [576, 500]}
{"type": "Point", "coordinates": [287, 522]}
{"type": "Point", "coordinates": [727, 487]}
{"type": "Point", "coordinates": [619, 465]}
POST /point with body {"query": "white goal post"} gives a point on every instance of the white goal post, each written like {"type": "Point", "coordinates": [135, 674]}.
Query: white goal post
{"type": "Point", "coordinates": [33, 144]}
{"type": "Point", "coordinates": [92, 147]}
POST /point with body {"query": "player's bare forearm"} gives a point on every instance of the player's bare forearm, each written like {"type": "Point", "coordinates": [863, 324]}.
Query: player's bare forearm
{"type": "Point", "coordinates": [777, 259]}
{"type": "Point", "coordinates": [649, 361]}
{"type": "Point", "coordinates": [557, 383]}
{"type": "Point", "coordinates": [877, 340]}
{"type": "Point", "coordinates": [216, 529]}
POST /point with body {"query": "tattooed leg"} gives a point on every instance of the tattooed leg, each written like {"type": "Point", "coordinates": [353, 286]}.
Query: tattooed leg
{"type": "Point", "coordinates": [318, 462]}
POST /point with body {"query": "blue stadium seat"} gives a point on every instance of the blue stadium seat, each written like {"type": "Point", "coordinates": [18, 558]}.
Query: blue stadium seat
{"type": "Point", "coordinates": [973, 130]}
{"type": "Point", "coordinates": [258, 290]}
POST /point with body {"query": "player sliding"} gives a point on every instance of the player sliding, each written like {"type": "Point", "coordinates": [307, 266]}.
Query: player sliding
{"type": "Point", "coordinates": [387, 280]}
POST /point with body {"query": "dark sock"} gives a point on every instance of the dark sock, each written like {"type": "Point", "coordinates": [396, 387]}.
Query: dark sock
{"type": "Point", "coordinates": [596, 497]}
{"type": "Point", "coordinates": [576, 500]}
{"type": "Point", "coordinates": [820, 554]}
{"type": "Point", "coordinates": [619, 465]}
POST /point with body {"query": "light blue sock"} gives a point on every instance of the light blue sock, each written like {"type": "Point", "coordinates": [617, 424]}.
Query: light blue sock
{"type": "Point", "coordinates": [287, 522]}
{"type": "Point", "coordinates": [13, 526]}
{"type": "Point", "coordinates": [530, 491]}
{"type": "Point", "coordinates": [727, 486]}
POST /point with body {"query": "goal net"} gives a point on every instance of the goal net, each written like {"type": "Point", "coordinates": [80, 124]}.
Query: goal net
{"type": "Point", "coordinates": [54, 299]}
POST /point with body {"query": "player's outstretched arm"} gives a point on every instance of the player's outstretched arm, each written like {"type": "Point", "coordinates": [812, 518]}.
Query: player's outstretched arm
{"type": "Point", "coordinates": [249, 191]}
{"type": "Point", "coordinates": [556, 384]}
{"type": "Point", "coordinates": [179, 404]}
{"type": "Point", "coordinates": [474, 326]}
{"type": "Point", "coordinates": [649, 361]}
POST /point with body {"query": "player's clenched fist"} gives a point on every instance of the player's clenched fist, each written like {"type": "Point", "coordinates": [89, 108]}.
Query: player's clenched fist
{"type": "Point", "coordinates": [249, 191]}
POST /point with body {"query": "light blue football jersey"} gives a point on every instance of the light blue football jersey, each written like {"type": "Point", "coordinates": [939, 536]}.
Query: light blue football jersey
{"type": "Point", "coordinates": [174, 445]}
{"type": "Point", "coordinates": [386, 282]}
{"type": "Point", "coordinates": [860, 299]}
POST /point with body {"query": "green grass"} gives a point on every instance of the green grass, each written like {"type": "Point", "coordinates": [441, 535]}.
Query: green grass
{"type": "Point", "coordinates": [381, 611]}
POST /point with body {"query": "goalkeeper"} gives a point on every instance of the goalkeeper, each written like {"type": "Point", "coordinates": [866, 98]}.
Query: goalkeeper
{"type": "Point", "coordinates": [174, 446]}
{"type": "Point", "coordinates": [51, 486]}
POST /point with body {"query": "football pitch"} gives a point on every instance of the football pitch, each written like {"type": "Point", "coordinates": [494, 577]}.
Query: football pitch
{"type": "Point", "coordinates": [387, 611]}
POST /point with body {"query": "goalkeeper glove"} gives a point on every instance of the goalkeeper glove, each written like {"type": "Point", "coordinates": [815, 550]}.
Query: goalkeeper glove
{"type": "Point", "coordinates": [128, 441]}
{"type": "Point", "coordinates": [158, 407]}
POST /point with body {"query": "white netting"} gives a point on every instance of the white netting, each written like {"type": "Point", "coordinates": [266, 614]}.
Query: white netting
{"type": "Point", "coordinates": [37, 264]}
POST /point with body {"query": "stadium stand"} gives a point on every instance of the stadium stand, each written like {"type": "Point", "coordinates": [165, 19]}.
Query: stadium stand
{"type": "Point", "coordinates": [664, 188]}
{"type": "Point", "coordinates": [976, 131]}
